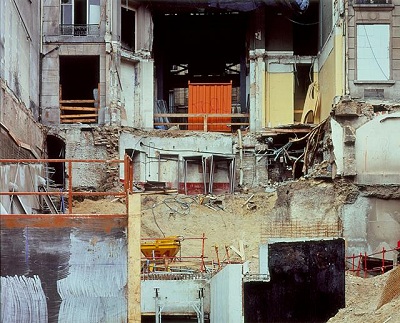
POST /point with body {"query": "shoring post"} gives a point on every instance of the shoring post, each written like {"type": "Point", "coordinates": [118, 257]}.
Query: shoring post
{"type": "Point", "coordinates": [365, 265]}
{"type": "Point", "coordinates": [383, 260]}
{"type": "Point", "coordinates": [126, 167]}
{"type": "Point", "coordinates": [203, 266]}
{"type": "Point", "coordinates": [352, 263]}
{"type": "Point", "coordinates": [360, 259]}
{"type": "Point", "coordinates": [70, 187]}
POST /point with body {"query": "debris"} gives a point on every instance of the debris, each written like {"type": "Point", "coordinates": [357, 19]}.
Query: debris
{"type": "Point", "coordinates": [248, 200]}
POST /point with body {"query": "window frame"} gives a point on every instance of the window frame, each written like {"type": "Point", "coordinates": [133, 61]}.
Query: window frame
{"type": "Point", "coordinates": [377, 65]}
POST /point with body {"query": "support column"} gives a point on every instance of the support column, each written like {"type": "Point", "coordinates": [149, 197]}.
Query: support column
{"type": "Point", "coordinates": [257, 89]}
{"type": "Point", "coordinates": [134, 281]}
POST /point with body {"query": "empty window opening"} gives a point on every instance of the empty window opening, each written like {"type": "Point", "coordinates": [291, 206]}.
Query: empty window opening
{"type": "Point", "coordinates": [56, 170]}
{"type": "Point", "coordinates": [302, 78]}
{"type": "Point", "coordinates": [79, 89]}
{"type": "Point", "coordinates": [128, 27]}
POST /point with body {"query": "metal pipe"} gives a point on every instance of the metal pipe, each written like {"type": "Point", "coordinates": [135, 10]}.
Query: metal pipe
{"type": "Point", "coordinates": [69, 187]}
{"type": "Point", "coordinates": [240, 144]}
{"type": "Point", "coordinates": [41, 160]}
{"type": "Point", "coordinates": [66, 193]}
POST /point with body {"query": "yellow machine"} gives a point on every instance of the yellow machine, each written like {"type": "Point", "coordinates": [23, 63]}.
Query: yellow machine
{"type": "Point", "coordinates": [161, 251]}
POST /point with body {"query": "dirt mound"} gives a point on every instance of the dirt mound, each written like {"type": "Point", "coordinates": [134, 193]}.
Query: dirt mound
{"type": "Point", "coordinates": [367, 299]}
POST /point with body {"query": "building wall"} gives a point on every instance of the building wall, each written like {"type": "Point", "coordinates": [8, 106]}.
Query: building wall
{"type": "Point", "coordinates": [19, 51]}
{"type": "Point", "coordinates": [147, 165]}
{"type": "Point", "coordinates": [375, 14]}
{"type": "Point", "coordinates": [331, 72]}
{"type": "Point", "coordinates": [280, 94]}
{"type": "Point", "coordinates": [370, 224]}
{"type": "Point", "coordinates": [378, 150]}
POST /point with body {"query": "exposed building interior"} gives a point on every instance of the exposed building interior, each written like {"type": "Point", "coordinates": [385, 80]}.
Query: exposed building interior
{"type": "Point", "coordinates": [199, 161]}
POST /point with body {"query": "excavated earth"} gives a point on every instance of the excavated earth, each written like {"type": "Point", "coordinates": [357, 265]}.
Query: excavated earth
{"type": "Point", "coordinates": [235, 224]}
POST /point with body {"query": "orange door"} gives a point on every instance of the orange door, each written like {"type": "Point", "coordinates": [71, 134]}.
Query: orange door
{"type": "Point", "coordinates": [210, 98]}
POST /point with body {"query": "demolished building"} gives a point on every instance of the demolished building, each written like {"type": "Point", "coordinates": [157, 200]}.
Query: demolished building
{"type": "Point", "coordinates": [205, 97]}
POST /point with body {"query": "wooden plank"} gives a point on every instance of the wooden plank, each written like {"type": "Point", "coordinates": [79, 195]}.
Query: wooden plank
{"type": "Point", "coordinates": [78, 108]}
{"type": "Point", "coordinates": [134, 255]}
{"type": "Point", "coordinates": [172, 115]}
{"type": "Point", "coordinates": [78, 101]}
{"type": "Point", "coordinates": [79, 121]}
{"type": "Point", "coordinates": [197, 123]}
{"type": "Point", "coordinates": [71, 116]}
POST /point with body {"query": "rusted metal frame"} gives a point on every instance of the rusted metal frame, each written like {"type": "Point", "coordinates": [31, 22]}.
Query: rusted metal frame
{"type": "Point", "coordinates": [12, 216]}
{"type": "Point", "coordinates": [46, 160]}
{"type": "Point", "coordinates": [127, 185]}
{"type": "Point", "coordinates": [119, 194]}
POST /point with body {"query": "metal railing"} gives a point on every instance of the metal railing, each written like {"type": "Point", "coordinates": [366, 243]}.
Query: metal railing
{"type": "Point", "coordinates": [68, 193]}
{"type": "Point", "coordinates": [367, 2]}
{"type": "Point", "coordinates": [201, 121]}
{"type": "Point", "coordinates": [80, 30]}
{"type": "Point", "coordinates": [370, 265]}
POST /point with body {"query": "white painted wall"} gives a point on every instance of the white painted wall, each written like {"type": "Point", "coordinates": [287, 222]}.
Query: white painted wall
{"type": "Point", "coordinates": [226, 295]}
{"type": "Point", "coordinates": [144, 95]}
{"type": "Point", "coordinates": [378, 150]}
{"type": "Point", "coordinates": [369, 224]}
{"type": "Point", "coordinates": [337, 140]}
{"type": "Point", "coordinates": [19, 49]}
{"type": "Point", "coordinates": [188, 145]}
{"type": "Point", "coordinates": [175, 295]}
{"type": "Point", "coordinates": [128, 78]}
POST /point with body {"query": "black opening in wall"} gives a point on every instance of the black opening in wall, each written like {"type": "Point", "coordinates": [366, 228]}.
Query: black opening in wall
{"type": "Point", "coordinates": [56, 170]}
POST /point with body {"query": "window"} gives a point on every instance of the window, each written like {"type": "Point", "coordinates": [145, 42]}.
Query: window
{"type": "Point", "coordinates": [128, 28]}
{"type": "Point", "coordinates": [80, 17]}
{"type": "Point", "coordinates": [373, 52]}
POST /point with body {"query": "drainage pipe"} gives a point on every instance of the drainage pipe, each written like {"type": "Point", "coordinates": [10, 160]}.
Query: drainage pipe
{"type": "Point", "coordinates": [240, 144]}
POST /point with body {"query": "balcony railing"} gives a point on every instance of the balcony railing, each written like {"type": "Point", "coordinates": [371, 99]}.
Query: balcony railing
{"type": "Point", "coordinates": [80, 30]}
{"type": "Point", "coordinates": [366, 2]}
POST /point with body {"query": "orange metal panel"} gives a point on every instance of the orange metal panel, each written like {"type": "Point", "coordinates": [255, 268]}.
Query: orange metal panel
{"type": "Point", "coordinates": [210, 98]}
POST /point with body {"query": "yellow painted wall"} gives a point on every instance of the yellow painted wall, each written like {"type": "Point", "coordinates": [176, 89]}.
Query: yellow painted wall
{"type": "Point", "coordinates": [331, 79]}
{"type": "Point", "coordinates": [279, 99]}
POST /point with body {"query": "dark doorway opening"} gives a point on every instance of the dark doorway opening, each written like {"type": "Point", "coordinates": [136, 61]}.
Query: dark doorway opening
{"type": "Point", "coordinates": [79, 88]}
{"type": "Point", "coordinates": [56, 170]}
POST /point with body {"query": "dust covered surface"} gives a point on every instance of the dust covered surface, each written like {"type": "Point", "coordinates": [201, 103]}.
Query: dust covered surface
{"type": "Point", "coordinates": [367, 301]}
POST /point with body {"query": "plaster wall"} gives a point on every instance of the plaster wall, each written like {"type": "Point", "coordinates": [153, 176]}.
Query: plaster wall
{"type": "Point", "coordinates": [330, 74]}
{"type": "Point", "coordinates": [378, 150]}
{"type": "Point", "coordinates": [80, 144]}
{"type": "Point", "coordinates": [337, 140]}
{"type": "Point", "coordinates": [147, 166]}
{"type": "Point", "coordinates": [19, 124]}
{"type": "Point", "coordinates": [370, 224]}
{"type": "Point", "coordinates": [19, 51]}
{"type": "Point", "coordinates": [280, 95]}
{"type": "Point", "coordinates": [227, 294]}
{"type": "Point", "coordinates": [128, 80]}
{"type": "Point", "coordinates": [176, 296]}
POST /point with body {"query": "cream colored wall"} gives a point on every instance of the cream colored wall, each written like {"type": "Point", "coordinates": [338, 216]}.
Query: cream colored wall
{"type": "Point", "coordinates": [279, 99]}
{"type": "Point", "coordinates": [331, 75]}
